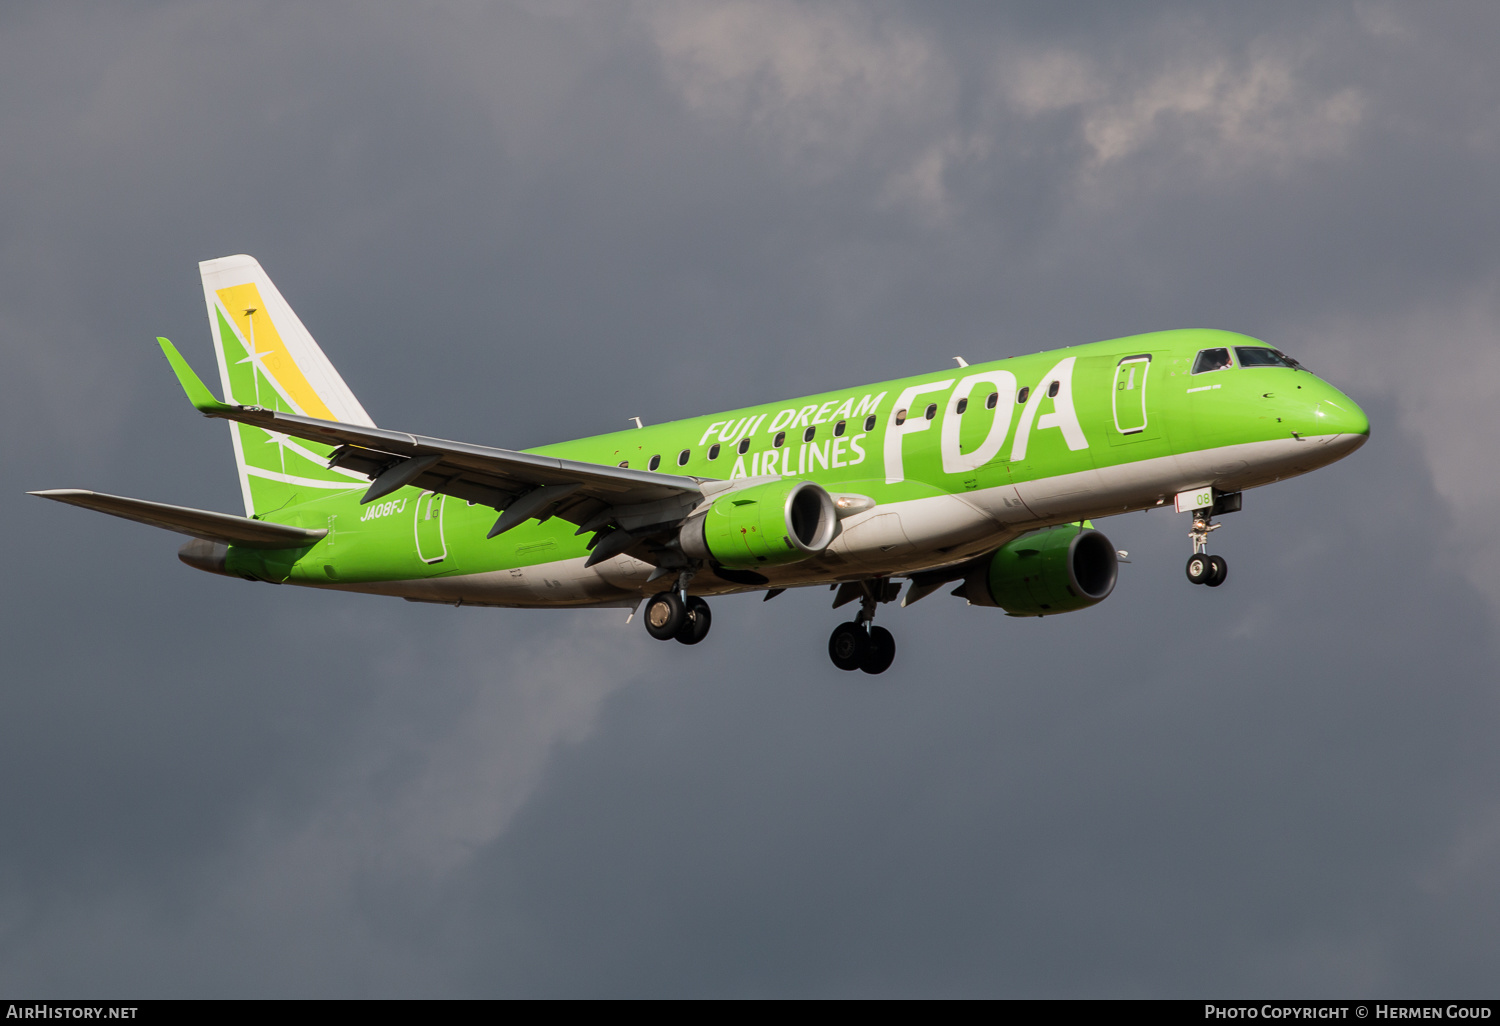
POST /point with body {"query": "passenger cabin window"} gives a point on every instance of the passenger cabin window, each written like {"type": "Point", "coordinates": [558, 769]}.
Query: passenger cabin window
{"type": "Point", "coordinates": [992, 401]}
{"type": "Point", "coordinates": [1255, 356]}
{"type": "Point", "coordinates": [961, 406]}
{"type": "Point", "coordinates": [900, 416]}
{"type": "Point", "coordinates": [1022, 394]}
{"type": "Point", "coordinates": [744, 446]}
{"type": "Point", "coordinates": [623, 465]}
{"type": "Point", "coordinates": [931, 411]}
{"type": "Point", "coordinates": [807, 436]}
{"type": "Point", "coordinates": [1052, 389]}
{"type": "Point", "coordinates": [870, 422]}
{"type": "Point", "coordinates": [1211, 360]}
{"type": "Point", "coordinates": [838, 429]}
{"type": "Point", "coordinates": [779, 440]}
{"type": "Point", "coordinates": [654, 463]}
{"type": "Point", "coordinates": [713, 451]}
{"type": "Point", "coordinates": [682, 457]}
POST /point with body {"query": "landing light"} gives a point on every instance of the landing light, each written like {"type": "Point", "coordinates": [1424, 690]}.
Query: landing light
{"type": "Point", "coordinates": [847, 505]}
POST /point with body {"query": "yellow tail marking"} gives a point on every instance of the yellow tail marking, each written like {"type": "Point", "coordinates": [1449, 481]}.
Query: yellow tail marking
{"type": "Point", "coordinates": [239, 300]}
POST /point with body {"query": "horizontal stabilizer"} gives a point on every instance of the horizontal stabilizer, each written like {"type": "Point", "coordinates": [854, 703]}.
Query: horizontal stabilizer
{"type": "Point", "coordinates": [198, 523]}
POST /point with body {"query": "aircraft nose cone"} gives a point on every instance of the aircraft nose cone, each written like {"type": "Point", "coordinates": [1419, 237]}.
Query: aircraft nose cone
{"type": "Point", "coordinates": [1341, 416]}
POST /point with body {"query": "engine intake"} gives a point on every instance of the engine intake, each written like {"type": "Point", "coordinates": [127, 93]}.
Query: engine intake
{"type": "Point", "coordinates": [764, 525]}
{"type": "Point", "coordinates": [1054, 570]}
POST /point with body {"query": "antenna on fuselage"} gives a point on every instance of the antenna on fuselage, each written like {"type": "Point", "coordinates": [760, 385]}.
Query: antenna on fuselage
{"type": "Point", "coordinates": [961, 361]}
{"type": "Point", "coordinates": [637, 421]}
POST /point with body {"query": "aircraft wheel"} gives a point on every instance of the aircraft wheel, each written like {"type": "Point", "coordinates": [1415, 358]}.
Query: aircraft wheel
{"type": "Point", "coordinates": [847, 646]}
{"type": "Point", "coordinates": [696, 623]}
{"type": "Point", "coordinates": [665, 615]}
{"type": "Point", "coordinates": [1200, 568]}
{"type": "Point", "coordinates": [881, 653]}
{"type": "Point", "coordinates": [1220, 571]}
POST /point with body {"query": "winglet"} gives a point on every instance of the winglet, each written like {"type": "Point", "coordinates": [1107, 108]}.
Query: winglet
{"type": "Point", "coordinates": [197, 392]}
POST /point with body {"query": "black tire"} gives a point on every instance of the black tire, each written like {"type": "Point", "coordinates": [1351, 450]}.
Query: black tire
{"type": "Point", "coordinates": [1200, 568]}
{"type": "Point", "coordinates": [696, 623]}
{"type": "Point", "coordinates": [665, 615]}
{"type": "Point", "coordinates": [1220, 572]}
{"type": "Point", "coordinates": [847, 646]}
{"type": "Point", "coordinates": [882, 651]}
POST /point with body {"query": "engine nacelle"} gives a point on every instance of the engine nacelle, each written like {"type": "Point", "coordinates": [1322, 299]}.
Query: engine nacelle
{"type": "Point", "coordinates": [764, 525]}
{"type": "Point", "coordinates": [1054, 570]}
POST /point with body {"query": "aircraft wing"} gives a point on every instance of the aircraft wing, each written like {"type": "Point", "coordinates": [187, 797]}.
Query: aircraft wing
{"type": "Point", "coordinates": [198, 523]}
{"type": "Point", "coordinates": [524, 485]}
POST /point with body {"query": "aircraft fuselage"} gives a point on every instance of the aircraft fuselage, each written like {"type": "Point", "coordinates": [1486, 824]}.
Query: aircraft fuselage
{"type": "Point", "coordinates": [957, 462]}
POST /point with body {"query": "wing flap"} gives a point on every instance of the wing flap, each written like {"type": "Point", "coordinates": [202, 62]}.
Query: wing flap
{"type": "Point", "coordinates": [198, 523]}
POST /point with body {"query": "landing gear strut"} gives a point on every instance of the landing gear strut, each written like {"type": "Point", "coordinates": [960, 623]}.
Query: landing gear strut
{"type": "Point", "coordinates": [1201, 567]}
{"type": "Point", "coordinates": [859, 644]}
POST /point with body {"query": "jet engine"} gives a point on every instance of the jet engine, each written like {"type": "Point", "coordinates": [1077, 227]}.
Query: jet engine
{"type": "Point", "coordinates": [764, 525]}
{"type": "Point", "coordinates": [1054, 570]}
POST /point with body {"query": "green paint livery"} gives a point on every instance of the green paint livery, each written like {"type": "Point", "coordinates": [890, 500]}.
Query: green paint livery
{"type": "Point", "coordinates": [982, 475]}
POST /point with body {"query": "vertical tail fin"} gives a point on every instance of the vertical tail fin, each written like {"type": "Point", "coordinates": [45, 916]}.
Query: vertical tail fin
{"type": "Point", "coordinates": [268, 359]}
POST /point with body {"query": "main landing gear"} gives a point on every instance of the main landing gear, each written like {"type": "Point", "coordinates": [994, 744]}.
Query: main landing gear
{"type": "Point", "coordinates": [1201, 567]}
{"type": "Point", "coordinates": [674, 615]}
{"type": "Point", "coordinates": [859, 644]}
{"type": "Point", "coordinates": [669, 618]}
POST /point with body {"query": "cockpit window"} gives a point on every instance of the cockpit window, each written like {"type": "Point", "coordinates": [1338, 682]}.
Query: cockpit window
{"type": "Point", "coordinates": [1258, 357]}
{"type": "Point", "coordinates": [1211, 360]}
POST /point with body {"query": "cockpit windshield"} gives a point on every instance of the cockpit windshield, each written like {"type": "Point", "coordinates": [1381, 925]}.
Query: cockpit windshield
{"type": "Point", "coordinates": [1256, 356]}
{"type": "Point", "coordinates": [1211, 360]}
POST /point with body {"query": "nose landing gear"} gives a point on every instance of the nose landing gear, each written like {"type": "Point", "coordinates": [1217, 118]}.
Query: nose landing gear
{"type": "Point", "coordinates": [859, 644]}
{"type": "Point", "coordinates": [1201, 567]}
{"type": "Point", "coordinates": [1205, 569]}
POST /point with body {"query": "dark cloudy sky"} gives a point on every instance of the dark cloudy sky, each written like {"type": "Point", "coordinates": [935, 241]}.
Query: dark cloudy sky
{"type": "Point", "coordinates": [515, 223]}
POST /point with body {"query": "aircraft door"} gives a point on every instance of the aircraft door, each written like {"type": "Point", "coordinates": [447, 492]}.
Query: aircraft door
{"type": "Point", "coordinates": [1130, 394]}
{"type": "Point", "coordinates": [432, 547]}
{"type": "Point", "coordinates": [1131, 401]}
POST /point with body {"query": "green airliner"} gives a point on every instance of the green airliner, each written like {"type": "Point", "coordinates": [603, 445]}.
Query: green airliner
{"type": "Point", "coordinates": [985, 476]}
